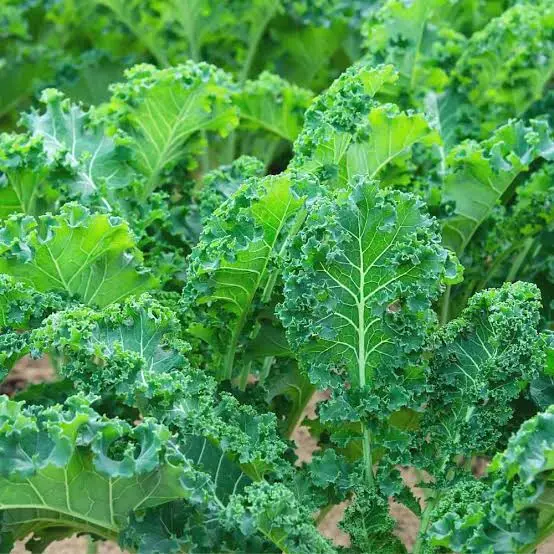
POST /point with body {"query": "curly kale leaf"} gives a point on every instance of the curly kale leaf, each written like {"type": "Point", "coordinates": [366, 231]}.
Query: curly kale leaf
{"type": "Point", "coordinates": [513, 512]}
{"type": "Point", "coordinates": [418, 38]}
{"type": "Point", "coordinates": [271, 114]}
{"type": "Point", "coordinates": [21, 308]}
{"type": "Point", "coordinates": [348, 132]}
{"type": "Point", "coordinates": [513, 241]}
{"type": "Point", "coordinates": [160, 111]}
{"type": "Point", "coordinates": [24, 168]}
{"type": "Point", "coordinates": [220, 184]}
{"type": "Point", "coordinates": [478, 175]}
{"type": "Point", "coordinates": [217, 186]}
{"type": "Point", "coordinates": [542, 386]}
{"type": "Point", "coordinates": [272, 104]}
{"type": "Point", "coordinates": [481, 362]}
{"type": "Point", "coordinates": [369, 524]}
{"type": "Point", "coordinates": [70, 468]}
{"type": "Point", "coordinates": [230, 266]}
{"type": "Point", "coordinates": [504, 67]}
{"type": "Point", "coordinates": [361, 276]}
{"type": "Point", "coordinates": [96, 165]}
{"type": "Point", "coordinates": [359, 281]}
{"type": "Point", "coordinates": [132, 351]}
{"type": "Point", "coordinates": [91, 257]}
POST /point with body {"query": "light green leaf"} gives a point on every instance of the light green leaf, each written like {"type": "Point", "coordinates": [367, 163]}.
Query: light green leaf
{"type": "Point", "coordinates": [347, 132]}
{"type": "Point", "coordinates": [505, 67]}
{"type": "Point", "coordinates": [25, 168]}
{"type": "Point", "coordinates": [406, 36]}
{"type": "Point", "coordinates": [230, 264]}
{"type": "Point", "coordinates": [360, 277]}
{"type": "Point", "coordinates": [161, 110]}
{"type": "Point", "coordinates": [57, 469]}
{"type": "Point", "coordinates": [478, 175]}
{"type": "Point", "coordinates": [93, 159]}
{"type": "Point", "coordinates": [273, 105]}
{"type": "Point", "coordinates": [92, 257]}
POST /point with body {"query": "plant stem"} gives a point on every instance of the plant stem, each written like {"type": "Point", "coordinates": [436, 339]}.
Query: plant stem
{"type": "Point", "coordinates": [424, 524]}
{"type": "Point", "coordinates": [254, 41]}
{"type": "Point", "coordinates": [92, 545]}
{"type": "Point", "coordinates": [297, 414]}
{"type": "Point", "coordinates": [543, 534]}
{"type": "Point", "coordinates": [520, 258]}
{"type": "Point", "coordinates": [244, 374]}
{"type": "Point", "coordinates": [368, 460]}
{"type": "Point", "coordinates": [246, 66]}
{"type": "Point", "coordinates": [445, 305]}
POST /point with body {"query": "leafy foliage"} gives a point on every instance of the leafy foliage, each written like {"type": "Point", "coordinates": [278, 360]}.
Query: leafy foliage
{"type": "Point", "coordinates": [216, 215]}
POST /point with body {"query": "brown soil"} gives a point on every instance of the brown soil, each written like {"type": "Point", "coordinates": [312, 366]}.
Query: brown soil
{"type": "Point", "coordinates": [36, 371]}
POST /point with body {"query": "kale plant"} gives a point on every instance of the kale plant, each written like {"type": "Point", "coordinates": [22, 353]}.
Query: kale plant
{"type": "Point", "coordinates": [215, 213]}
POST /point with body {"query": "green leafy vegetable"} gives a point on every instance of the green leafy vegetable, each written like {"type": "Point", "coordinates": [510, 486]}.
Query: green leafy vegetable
{"type": "Point", "coordinates": [223, 221]}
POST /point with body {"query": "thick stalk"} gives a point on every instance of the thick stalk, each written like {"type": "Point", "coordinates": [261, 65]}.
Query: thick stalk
{"type": "Point", "coordinates": [254, 41]}
{"type": "Point", "coordinates": [368, 460]}
{"type": "Point", "coordinates": [226, 371]}
{"type": "Point", "coordinates": [520, 258]}
{"type": "Point", "coordinates": [244, 374]}
{"type": "Point", "coordinates": [424, 524]}
{"type": "Point", "coordinates": [366, 434]}
{"type": "Point", "coordinates": [445, 305]}
{"type": "Point", "coordinates": [92, 545]}
{"type": "Point", "coordinates": [274, 274]}
{"type": "Point", "coordinates": [294, 420]}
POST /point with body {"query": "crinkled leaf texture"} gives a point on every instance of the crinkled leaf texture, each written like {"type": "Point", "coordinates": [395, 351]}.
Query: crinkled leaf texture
{"type": "Point", "coordinates": [160, 110]}
{"type": "Point", "coordinates": [514, 512]}
{"type": "Point", "coordinates": [132, 350]}
{"type": "Point", "coordinates": [478, 175]}
{"type": "Point", "coordinates": [95, 164]}
{"type": "Point", "coordinates": [25, 167]}
{"type": "Point", "coordinates": [91, 257]}
{"type": "Point", "coordinates": [79, 471]}
{"type": "Point", "coordinates": [480, 364]}
{"type": "Point", "coordinates": [359, 282]}
{"type": "Point", "coordinates": [273, 105]}
{"type": "Point", "coordinates": [230, 265]}
{"type": "Point", "coordinates": [409, 36]}
{"type": "Point", "coordinates": [348, 132]}
{"type": "Point", "coordinates": [505, 66]}
{"type": "Point", "coordinates": [21, 308]}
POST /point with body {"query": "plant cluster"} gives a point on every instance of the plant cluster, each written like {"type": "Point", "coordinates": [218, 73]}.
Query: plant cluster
{"type": "Point", "coordinates": [271, 201]}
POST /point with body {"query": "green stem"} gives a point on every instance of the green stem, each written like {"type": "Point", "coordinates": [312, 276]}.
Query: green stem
{"type": "Point", "coordinates": [499, 260]}
{"type": "Point", "coordinates": [229, 359]}
{"type": "Point", "coordinates": [272, 279]}
{"type": "Point", "coordinates": [142, 37]}
{"type": "Point", "coordinates": [266, 368]}
{"type": "Point", "coordinates": [368, 459]}
{"type": "Point", "coordinates": [294, 420]}
{"type": "Point", "coordinates": [424, 524]}
{"type": "Point", "coordinates": [253, 46]}
{"type": "Point", "coordinates": [244, 374]}
{"type": "Point", "coordinates": [520, 258]}
{"type": "Point", "coordinates": [445, 305]}
{"type": "Point", "coordinates": [92, 545]}
{"type": "Point", "coordinates": [245, 70]}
